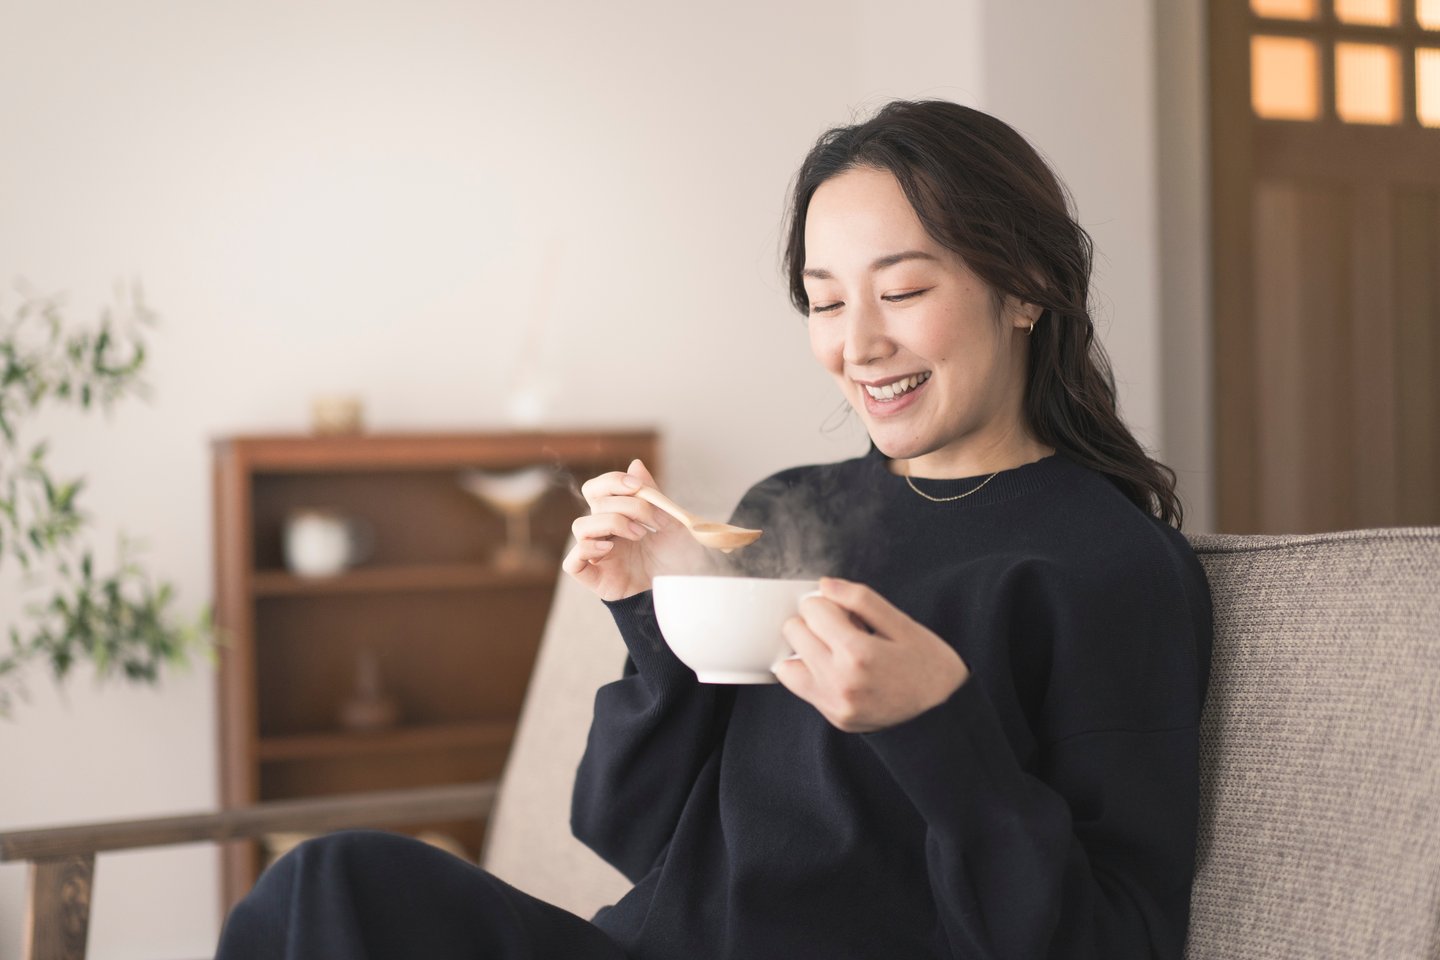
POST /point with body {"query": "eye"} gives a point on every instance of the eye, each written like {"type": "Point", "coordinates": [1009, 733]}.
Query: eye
{"type": "Point", "coordinates": [825, 307]}
{"type": "Point", "coordinates": [897, 297]}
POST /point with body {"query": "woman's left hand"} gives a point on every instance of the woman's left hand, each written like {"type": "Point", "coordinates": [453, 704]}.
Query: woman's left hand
{"type": "Point", "coordinates": [864, 664]}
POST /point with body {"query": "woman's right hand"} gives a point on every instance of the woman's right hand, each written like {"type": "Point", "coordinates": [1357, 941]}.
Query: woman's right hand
{"type": "Point", "coordinates": [615, 555]}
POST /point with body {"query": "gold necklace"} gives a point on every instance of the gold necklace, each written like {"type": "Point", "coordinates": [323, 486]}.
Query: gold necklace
{"type": "Point", "coordinates": [959, 496]}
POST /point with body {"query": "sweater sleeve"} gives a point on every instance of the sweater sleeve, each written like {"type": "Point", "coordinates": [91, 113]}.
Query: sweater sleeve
{"type": "Point", "coordinates": [652, 732]}
{"type": "Point", "coordinates": [1088, 850]}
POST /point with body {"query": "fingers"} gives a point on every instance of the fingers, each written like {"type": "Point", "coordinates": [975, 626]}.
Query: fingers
{"type": "Point", "coordinates": [795, 675]}
{"type": "Point", "coordinates": [832, 621]}
{"type": "Point", "coordinates": [865, 603]}
{"type": "Point", "coordinates": [595, 539]}
{"type": "Point", "coordinates": [607, 525]}
{"type": "Point", "coordinates": [635, 509]}
{"type": "Point", "coordinates": [615, 482]}
{"type": "Point", "coordinates": [610, 484]}
{"type": "Point", "coordinates": [585, 553]}
{"type": "Point", "coordinates": [614, 492]}
{"type": "Point", "coordinates": [638, 469]}
{"type": "Point", "coordinates": [806, 644]}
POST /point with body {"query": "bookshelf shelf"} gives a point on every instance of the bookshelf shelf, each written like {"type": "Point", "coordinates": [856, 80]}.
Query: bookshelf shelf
{"type": "Point", "coordinates": [451, 635]}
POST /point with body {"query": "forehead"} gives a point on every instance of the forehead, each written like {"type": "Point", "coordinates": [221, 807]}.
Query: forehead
{"type": "Point", "coordinates": [862, 212]}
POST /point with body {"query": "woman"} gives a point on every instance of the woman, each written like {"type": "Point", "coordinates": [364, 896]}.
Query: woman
{"type": "Point", "coordinates": [987, 746]}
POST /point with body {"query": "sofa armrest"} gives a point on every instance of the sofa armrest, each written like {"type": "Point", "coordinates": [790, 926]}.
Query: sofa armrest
{"type": "Point", "coordinates": [63, 858]}
{"type": "Point", "coordinates": [379, 808]}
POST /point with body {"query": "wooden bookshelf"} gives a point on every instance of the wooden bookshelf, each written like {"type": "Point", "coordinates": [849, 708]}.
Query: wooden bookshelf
{"type": "Point", "coordinates": [477, 735]}
{"type": "Point", "coordinates": [411, 578]}
{"type": "Point", "coordinates": [455, 636]}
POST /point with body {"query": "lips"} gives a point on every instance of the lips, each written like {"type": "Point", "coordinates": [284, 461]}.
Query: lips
{"type": "Point", "coordinates": [889, 404]}
{"type": "Point", "coordinates": [893, 388]}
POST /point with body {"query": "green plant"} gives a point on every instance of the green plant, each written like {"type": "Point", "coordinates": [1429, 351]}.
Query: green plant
{"type": "Point", "coordinates": [118, 620]}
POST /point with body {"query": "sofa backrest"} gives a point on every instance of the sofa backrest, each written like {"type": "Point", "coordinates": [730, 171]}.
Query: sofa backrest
{"type": "Point", "coordinates": [1320, 832]}
{"type": "Point", "coordinates": [1320, 748]}
{"type": "Point", "coordinates": [528, 841]}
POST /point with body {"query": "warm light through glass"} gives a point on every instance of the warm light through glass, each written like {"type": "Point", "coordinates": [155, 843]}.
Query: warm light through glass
{"type": "Point", "coordinates": [1427, 13]}
{"type": "Point", "coordinates": [1284, 78]}
{"type": "Point", "coordinates": [1378, 13]}
{"type": "Point", "coordinates": [1284, 9]}
{"type": "Point", "coordinates": [1367, 83]}
{"type": "Point", "coordinates": [1427, 87]}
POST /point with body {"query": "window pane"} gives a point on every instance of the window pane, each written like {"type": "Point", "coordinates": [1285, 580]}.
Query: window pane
{"type": "Point", "coordinates": [1367, 83]}
{"type": "Point", "coordinates": [1428, 13]}
{"type": "Point", "coordinates": [1380, 13]}
{"type": "Point", "coordinates": [1427, 83]}
{"type": "Point", "coordinates": [1284, 78]}
{"type": "Point", "coordinates": [1284, 9]}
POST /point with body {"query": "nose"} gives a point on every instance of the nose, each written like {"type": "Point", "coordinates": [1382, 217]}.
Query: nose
{"type": "Point", "coordinates": [865, 338]}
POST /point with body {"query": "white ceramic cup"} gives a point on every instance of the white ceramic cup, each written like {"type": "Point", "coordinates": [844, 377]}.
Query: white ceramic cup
{"type": "Point", "coordinates": [322, 543]}
{"type": "Point", "coordinates": [728, 629]}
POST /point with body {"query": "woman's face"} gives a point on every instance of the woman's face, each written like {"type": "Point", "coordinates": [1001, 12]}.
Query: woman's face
{"type": "Point", "coordinates": [890, 308]}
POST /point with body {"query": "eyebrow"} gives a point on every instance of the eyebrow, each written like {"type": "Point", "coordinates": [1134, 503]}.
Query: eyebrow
{"type": "Point", "coordinates": [888, 260]}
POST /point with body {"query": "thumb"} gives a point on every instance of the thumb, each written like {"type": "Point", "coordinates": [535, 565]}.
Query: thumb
{"type": "Point", "coordinates": [637, 470]}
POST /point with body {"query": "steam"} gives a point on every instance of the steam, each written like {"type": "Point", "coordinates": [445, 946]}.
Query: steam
{"type": "Point", "coordinates": [811, 522]}
{"type": "Point", "coordinates": [812, 526]}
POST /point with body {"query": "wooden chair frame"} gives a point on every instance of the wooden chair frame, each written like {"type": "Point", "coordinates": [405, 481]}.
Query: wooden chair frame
{"type": "Point", "coordinates": [62, 859]}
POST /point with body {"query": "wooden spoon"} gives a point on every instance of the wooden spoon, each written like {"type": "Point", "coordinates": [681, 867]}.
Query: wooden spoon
{"type": "Point", "coordinates": [718, 536]}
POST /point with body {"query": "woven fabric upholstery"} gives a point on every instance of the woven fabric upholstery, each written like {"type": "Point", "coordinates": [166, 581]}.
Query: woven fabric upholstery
{"type": "Point", "coordinates": [1320, 832]}
{"type": "Point", "coordinates": [528, 841]}
{"type": "Point", "coordinates": [1320, 748]}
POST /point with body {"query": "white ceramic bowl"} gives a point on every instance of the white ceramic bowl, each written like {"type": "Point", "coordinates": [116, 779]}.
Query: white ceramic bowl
{"type": "Point", "coordinates": [727, 629]}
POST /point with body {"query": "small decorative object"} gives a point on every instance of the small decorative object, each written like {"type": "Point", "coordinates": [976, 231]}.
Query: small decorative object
{"type": "Point", "coordinates": [321, 542]}
{"type": "Point", "coordinates": [513, 495]}
{"type": "Point", "coordinates": [369, 708]}
{"type": "Point", "coordinates": [337, 415]}
{"type": "Point", "coordinates": [526, 403]}
{"type": "Point", "coordinates": [530, 390]}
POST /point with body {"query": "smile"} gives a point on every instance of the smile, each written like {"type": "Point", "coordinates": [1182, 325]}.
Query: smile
{"type": "Point", "coordinates": [893, 391]}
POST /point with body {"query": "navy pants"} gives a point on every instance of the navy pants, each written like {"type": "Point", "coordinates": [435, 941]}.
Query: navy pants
{"type": "Point", "coordinates": [367, 894]}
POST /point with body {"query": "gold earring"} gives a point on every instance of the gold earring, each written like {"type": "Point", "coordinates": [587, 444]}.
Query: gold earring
{"type": "Point", "coordinates": [1030, 329]}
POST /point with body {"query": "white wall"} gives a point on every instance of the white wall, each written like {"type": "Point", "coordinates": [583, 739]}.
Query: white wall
{"type": "Point", "coordinates": [1077, 80]}
{"type": "Point", "coordinates": [1112, 92]}
{"type": "Point", "coordinates": [1187, 355]}
{"type": "Point", "coordinates": [359, 196]}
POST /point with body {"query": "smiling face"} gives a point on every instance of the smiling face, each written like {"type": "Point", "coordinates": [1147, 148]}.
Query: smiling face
{"type": "Point", "coordinates": [911, 335]}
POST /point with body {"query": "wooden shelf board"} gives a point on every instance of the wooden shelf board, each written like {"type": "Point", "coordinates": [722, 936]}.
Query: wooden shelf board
{"type": "Point", "coordinates": [411, 577]}
{"type": "Point", "coordinates": [300, 453]}
{"type": "Point", "coordinates": [340, 744]}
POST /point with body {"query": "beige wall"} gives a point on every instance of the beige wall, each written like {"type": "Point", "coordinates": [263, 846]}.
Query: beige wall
{"type": "Point", "coordinates": [1186, 355]}
{"type": "Point", "coordinates": [324, 196]}
{"type": "Point", "coordinates": [1113, 93]}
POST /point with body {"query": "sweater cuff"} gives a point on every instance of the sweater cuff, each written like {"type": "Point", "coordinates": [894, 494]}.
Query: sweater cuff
{"type": "Point", "coordinates": [951, 757]}
{"type": "Point", "coordinates": [652, 656]}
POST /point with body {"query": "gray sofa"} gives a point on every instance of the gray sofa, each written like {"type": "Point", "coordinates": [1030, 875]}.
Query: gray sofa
{"type": "Point", "coordinates": [1320, 766]}
{"type": "Point", "coordinates": [1320, 751]}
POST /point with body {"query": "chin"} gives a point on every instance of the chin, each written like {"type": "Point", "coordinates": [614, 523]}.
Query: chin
{"type": "Point", "coordinates": [897, 450]}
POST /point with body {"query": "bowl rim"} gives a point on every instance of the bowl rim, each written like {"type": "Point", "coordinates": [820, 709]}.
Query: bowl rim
{"type": "Point", "coordinates": [708, 576]}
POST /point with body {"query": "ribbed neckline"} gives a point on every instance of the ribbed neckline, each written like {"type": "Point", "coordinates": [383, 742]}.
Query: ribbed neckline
{"type": "Point", "coordinates": [1007, 484]}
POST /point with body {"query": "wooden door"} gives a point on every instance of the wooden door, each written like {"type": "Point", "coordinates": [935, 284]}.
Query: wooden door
{"type": "Point", "coordinates": [1325, 159]}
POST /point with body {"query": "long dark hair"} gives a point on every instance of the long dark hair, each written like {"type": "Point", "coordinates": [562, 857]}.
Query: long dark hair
{"type": "Point", "coordinates": [982, 191]}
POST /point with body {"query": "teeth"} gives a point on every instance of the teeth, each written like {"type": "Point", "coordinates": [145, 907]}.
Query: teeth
{"type": "Point", "coordinates": [898, 388]}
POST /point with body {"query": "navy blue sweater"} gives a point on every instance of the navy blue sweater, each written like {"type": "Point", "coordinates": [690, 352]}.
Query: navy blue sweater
{"type": "Point", "coordinates": [1047, 809]}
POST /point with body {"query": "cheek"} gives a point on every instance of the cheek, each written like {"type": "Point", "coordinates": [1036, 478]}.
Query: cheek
{"type": "Point", "coordinates": [826, 346]}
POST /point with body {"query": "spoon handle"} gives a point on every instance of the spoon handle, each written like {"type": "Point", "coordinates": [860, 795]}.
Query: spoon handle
{"type": "Point", "coordinates": [653, 496]}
